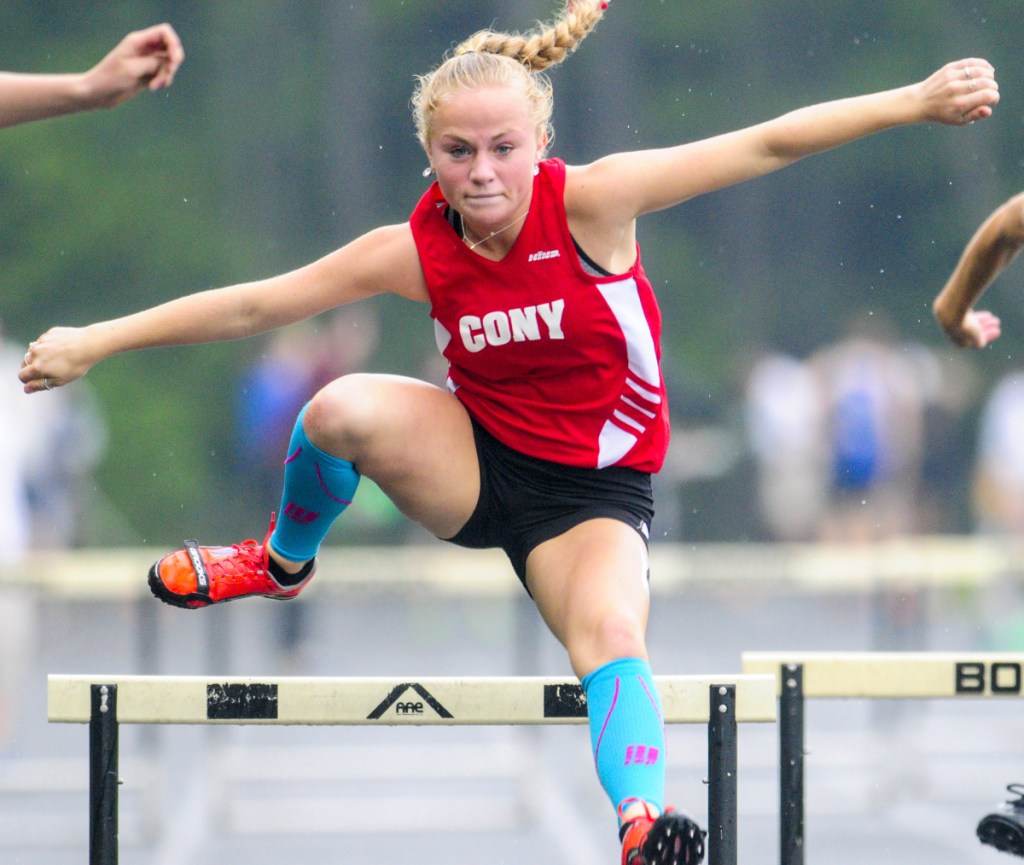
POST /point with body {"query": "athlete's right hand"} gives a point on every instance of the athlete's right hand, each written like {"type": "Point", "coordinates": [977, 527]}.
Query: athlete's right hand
{"type": "Point", "coordinates": [57, 358]}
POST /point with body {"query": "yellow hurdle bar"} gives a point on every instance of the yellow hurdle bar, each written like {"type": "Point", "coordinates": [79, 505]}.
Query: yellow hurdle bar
{"type": "Point", "coordinates": [924, 675]}
{"type": "Point", "coordinates": [386, 701]}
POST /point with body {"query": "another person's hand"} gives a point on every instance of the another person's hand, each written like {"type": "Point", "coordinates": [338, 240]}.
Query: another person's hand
{"type": "Point", "coordinates": [975, 330]}
{"type": "Point", "coordinates": [143, 59]}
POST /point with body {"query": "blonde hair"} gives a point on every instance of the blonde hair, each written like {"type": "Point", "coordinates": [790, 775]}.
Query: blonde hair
{"type": "Point", "coordinates": [488, 58]}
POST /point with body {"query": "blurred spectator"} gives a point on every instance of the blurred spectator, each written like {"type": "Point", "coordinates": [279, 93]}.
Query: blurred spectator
{"type": "Point", "coordinates": [69, 441]}
{"type": "Point", "coordinates": [861, 441]}
{"type": "Point", "coordinates": [17, 603]}
{"type": "Point", "coordinates": [270, 394]}
{"type": "Point", "coordinates": [351, 338]}
{"type": "Point", "coordinates": [15, 437]}
{"type": "Point", "coordinates": [296, 363]}
{"type": "Point", "coordinates": [785, 425]}
{"type": "Point", "coordinates": [875, 406]}
{"type": "Point", "coordinates": [48, 451]}
{"type": "Point", "coordinates": [949, 386]}
{"type": "Point", "coordinates": [998, 489]}
{"type": "Point", "coordinates": [874, 432]}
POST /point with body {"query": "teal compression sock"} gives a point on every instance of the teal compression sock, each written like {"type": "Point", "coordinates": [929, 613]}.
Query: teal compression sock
{"type": "Point", "coordinates": [627, 731]}
{"type": "Point", "coordinates": [317, 488]}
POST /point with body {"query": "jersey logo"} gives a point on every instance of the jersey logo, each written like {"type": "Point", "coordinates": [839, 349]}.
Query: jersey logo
{"type": "Point", "coordinates": [529, 323]}
{"type": "Point", "coordinates": [543, 256]}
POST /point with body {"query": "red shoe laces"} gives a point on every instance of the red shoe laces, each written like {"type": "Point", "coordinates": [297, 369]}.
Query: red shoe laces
{"type": "Point", "coordinates": [248, 559]}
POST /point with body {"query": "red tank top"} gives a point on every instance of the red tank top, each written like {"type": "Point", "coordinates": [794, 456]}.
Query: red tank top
{"type": "Point", "coordinates": [551, 360]}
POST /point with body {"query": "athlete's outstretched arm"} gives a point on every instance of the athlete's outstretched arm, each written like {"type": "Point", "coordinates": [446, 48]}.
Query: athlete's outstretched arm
{"type": "Point", "coordinates": [143, 59]}
{"type": "Point", "coordinates": [994, 245]}
{"type": "Point", "coordinates": [383, 260]}
{"type": "Point", "coordinates": [630, 184]}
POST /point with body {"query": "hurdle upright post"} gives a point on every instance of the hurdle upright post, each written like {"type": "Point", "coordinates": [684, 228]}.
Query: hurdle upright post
{"type": "Point", "coordinates": [722, 780]}
{"type": "Point", "coordinates": [791, 764]}
{"type": "Point", "coordinates": [103, 775]}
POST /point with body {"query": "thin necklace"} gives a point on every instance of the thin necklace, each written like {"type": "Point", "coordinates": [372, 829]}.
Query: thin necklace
{"type": "Point", "coordinates": [473, 244]}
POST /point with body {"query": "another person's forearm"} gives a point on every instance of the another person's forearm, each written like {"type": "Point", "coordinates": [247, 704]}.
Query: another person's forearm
{"type": "Point", "coordinates": [988, 253]}
{"type": "Point", "coordinates": [143, 59]}
{"type": "Point", "coordinates": [977, 269]}
{"type": "Point", "coordinates": [24, 98]}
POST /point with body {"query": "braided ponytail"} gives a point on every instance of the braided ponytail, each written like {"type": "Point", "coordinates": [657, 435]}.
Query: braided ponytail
{"type": "Point", "coordinates": [545, 48]}
{"type": "Point", "coordinates": [488, 58]}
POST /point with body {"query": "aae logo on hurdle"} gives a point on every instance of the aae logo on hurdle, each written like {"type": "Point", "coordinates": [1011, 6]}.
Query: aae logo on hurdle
{"type": "Point", "coordinates": [408, 707]}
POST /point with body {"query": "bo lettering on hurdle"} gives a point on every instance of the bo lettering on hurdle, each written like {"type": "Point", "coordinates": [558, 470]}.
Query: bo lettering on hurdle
{"type": "Point", "coordinates": [105, 702]}
{"type": "Point", "coordinates": [866, 675]}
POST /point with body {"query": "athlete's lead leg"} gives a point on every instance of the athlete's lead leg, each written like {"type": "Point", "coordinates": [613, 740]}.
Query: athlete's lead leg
{"type": "Point", "coordinates": [413, 439]}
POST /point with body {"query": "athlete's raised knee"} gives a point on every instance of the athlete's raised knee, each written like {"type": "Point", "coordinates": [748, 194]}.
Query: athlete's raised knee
{"type": "Point", "coordinates": [345, 414]}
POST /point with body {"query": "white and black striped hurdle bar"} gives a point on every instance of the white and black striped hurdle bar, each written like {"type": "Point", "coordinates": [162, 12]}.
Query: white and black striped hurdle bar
{"type": "Point", "coordinates": [105, 702]}
{"type": "Point", "coordinates": [866, 675]}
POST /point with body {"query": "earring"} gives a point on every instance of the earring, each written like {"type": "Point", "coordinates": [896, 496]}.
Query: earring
{"type": "Point", "coordinates": [428, 171]}
{"type": "Point", "coordinates": [536, 170]}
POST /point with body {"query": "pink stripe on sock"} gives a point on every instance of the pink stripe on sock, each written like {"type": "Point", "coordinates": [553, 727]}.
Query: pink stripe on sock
{"type": "Point", "coordinates": [654, 703]}
{"type": "Point", "coordinates": [294, 456]}
{"type": "Point", "coordinates": [323, 486]}
{"type": "Point", "coordinates": [607, 718]}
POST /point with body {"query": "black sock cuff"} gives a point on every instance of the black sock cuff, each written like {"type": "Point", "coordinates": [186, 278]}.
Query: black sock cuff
{"type": "Point", "coordinates": [283, 577]}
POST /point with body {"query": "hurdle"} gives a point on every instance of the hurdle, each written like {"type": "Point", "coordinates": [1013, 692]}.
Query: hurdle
{"type": "Point", "coordinates": [105, 702]}
{"type": "Point", "coordinates": [865, 675]}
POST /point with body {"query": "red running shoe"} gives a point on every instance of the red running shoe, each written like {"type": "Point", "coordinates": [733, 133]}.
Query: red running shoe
{"type": "Point", "coordinates": [672, 838]}
{"type": "Point", "coordinates": [199, 576]}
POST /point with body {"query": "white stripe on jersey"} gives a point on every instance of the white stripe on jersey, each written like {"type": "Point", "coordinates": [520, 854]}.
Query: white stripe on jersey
{"type": "Point", "coordinates": [635, 405]}
{"type": "Point", "coordinates": [628, 421]}
{"type": "Point", "coordinates": [613, 444]}
{"type": "Point", "coordinates": [624, 300]}
{"type": "Point", "coordinates": [616, 440]}
{"type": "Point", "coordinates": [650, 395]}
{"type": "Point", "coordinates": [441, 336]}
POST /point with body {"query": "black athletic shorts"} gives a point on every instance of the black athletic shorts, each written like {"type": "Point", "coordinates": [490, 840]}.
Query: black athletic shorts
{"type": "Point", "coordinates": [525, 501]}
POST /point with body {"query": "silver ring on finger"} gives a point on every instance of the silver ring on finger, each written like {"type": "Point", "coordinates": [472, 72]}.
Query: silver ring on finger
{"type": "Point", "coordinates": [967, 72]}
{"type": "Point", "coordinates": [28, 358]}
{"type": "Point", "coordinates": [46, 383]}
